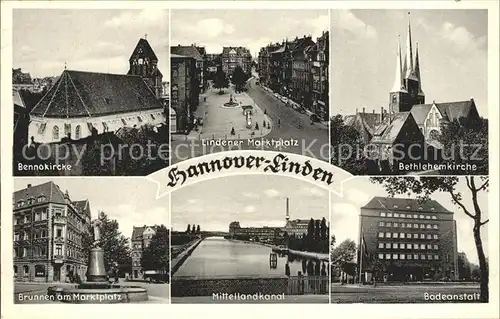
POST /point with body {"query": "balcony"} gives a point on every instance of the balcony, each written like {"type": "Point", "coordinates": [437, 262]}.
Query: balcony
{"type": "Point", "coordinates": [59, 240]}
{"type": "Point", "coordinates": [57, 219]}
{"type": "Point", "coordinates": [58, 259]}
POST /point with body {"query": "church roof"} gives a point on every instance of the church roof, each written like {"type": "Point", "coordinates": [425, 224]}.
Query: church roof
{"type": "Point", "coordinates": [388, 131]}
{"type": "Point", "coordinates": [188, 51]}
{"type": "Point", "coordinates": [87, 94]}
{"type": "Point", "coordinates": [451, 111]}
{"type": "Point", "coordinates": [420, 112]}
{"type": "Point", "coordinates": [404, 204]}
{"type": "Point", "coordinates": [143, 49]}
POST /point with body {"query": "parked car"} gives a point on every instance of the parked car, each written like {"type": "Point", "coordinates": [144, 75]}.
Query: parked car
{"type": "Point", "coordinates": [200, 121]}
{"type": "Point", "coordinates": [276, 95]}
{"type": "Point", "coordinates": [284, 99]}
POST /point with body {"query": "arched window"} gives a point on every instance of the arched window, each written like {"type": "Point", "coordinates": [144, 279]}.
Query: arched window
{"type": "Point", "coordinates": [55, 133]}
{"type": "Point", "coordinates": [15, 270]}
{"type": "Point", "coordinates": [77, 132]}
{"type": "Point", "coordinates": [26, 270]}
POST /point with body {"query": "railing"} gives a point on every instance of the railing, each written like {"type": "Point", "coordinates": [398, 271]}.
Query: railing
{"type": "Point", "coordinates": [308, 285]}
{"type": "Point", "coordinates": [59, 219]}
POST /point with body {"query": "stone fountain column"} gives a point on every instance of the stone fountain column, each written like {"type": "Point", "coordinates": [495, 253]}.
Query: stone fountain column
{"type": "Point", "coordinates": [96, 270]}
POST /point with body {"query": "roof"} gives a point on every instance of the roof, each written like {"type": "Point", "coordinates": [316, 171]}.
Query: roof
{"type": "Point", "coordinates": [82, 206]}
{"type": "Point", "coordinates": [298, 222]}
{"type": "Point", "coordinates": [49, 190]}
{"type": "Point", "coordinates": [188, 51]}
{"type": "Point", "coordinates": [86, 94]}
{"type": "Point", "coordinates": [405, 204]}
{"type": "Point", "coordinates": [138, 231]}
{"type": "Point", "coordinates": [143, 49]}
{"type": "Point", "coordinates": [17, 99]}
{"type": "Point", "coordinates": [239, 50]}
{"type": "Point", "coordinates": [388, 131]}
{"type": "Point", "coordinates": [451, 111]}
{"type": "Point", "coordinates": [420, 112]}
{"type": "Point", "coordinates": [178, 56]}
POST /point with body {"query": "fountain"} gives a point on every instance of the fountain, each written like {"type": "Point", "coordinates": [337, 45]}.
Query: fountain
{"type": "Point", "coordinates": [231, 102]}
{"type": "Point", "coordinates": [97, 289]}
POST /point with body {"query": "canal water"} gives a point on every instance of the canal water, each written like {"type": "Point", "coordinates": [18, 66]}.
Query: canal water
{"type": "Point", "coordinates": [216, 256]}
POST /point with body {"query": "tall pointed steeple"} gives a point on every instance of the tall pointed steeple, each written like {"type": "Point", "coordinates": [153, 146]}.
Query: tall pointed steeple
{"type": "Point", "coordinates": [417, 72]}
{"type": "Point", "coordinates": [398, 79]}
{"type": "Point", "coordinates": [409, 52]}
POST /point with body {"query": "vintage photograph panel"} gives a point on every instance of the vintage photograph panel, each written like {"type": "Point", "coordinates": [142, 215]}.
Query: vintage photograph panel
{"type": "Point", "coordinates": [249, 79]}
{"type": "Point", "coordinates": [82, 241]}
{"type": "Point", "coordinates": [410, 240]}
{"type": "Point", "coordinates": [250, 239]}
{"type": "Point", "coordinates": [409, 92]}
{"type": "Point", "coordinates": [91, 98]}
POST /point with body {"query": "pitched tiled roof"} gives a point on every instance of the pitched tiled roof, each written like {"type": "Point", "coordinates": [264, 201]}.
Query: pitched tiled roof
{"type": "Point", "coordinates": [17, 99]}
{"type": "Point", "coordinates": [49, 190]}
{"type": "Point", "coordinates": [455, 110]}
{"type": "Point", "coordinates": [389, 130]}
{"type": "Point", "coordinates": [451, 111]}
{"type": "Point", "coordinates": [86, 94]}
{"type": "Point", "coordinates": [189, 51]}
{"type": "Point", "coordinates": [143, 49]}
{"type": "Point", "coordinates": [239, 50]}
{"type": "Point", "coordinates": [404, 204]}
{"type": "Point", "coordinates": [420, 112]}
{"type": "Point", "coordinates": [82, 206]}
{"type": "Point", "coordinates": [138, 231]}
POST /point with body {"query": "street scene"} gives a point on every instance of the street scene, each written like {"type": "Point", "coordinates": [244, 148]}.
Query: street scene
{"type": "Point", "coordinates": [410, 108]}
{"type": "Point", "coordinates": [91, 99]}
{"type": "Point", "coordinates": [242, 82]}
{"type": "Point", "coordinates": [81, 241]}
{"type": "Point", "coordinates": [404, 240]}
{"type": "Point", "coordinates": [266, 244]}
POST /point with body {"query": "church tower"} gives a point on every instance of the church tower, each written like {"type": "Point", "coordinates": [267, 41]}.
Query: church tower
{"type": "Point", "coordinates": [143, 62]}
{"type": "Point", "coordinates": [407, 88]}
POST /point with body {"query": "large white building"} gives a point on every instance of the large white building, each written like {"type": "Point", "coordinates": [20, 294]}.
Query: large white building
{"type": "Point", "coordinates": [84, 102]}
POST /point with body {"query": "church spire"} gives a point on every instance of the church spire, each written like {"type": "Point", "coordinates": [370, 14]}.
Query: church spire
{"type": "Point", "coordinates": [409, 52]}
{"type": "Point", "coordinates": [417, 71]}
{"type": "Point", "coordinates": [398, 79]}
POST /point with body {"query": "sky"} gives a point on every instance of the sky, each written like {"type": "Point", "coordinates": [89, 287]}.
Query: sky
{"type": "Point", "coordinates": [253, 200]}
{"type": "Point", "coordinates": [359, 191]}
{"type": "Point", "coordinates": [131, 201]}
{"type": "Point", "coordinates": [249, 28]}
{"type": "Point", "coordinates": [452, 51]}
{"type": "Point", "coordinates": [87, 40]}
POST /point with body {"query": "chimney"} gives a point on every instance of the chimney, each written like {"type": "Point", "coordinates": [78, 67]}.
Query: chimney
{"type": "Point", "coordinates": [373, 111]}
{"type": "Point", "coordinates": [29, 186]}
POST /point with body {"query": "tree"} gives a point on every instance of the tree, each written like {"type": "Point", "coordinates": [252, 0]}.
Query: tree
{"type": "Point", "coordinates": [347, 147]}
{"type": "Point", "coordinates": [156, 256]}
{"type": "Point", "coordinates": [461, 139]}
{"type": "Point", "coordinates": [188, 229]}
{"type": "Point", "coordinates": [344, 252]}
{"type": "Point", "coordinates": [220, 80]}
{"type": "Point", "coordinates": [310, 235]}
{"type": "Point", "coordinates": [425, 186]}
{"type": "Point", "coordinates": [198, 229]}
{"type": "Point", "coordinates": [239, 78]}
{"type": "Point", "coordinates": [114, 244]}
{"type": "Point", "coordinates": [324, 229]}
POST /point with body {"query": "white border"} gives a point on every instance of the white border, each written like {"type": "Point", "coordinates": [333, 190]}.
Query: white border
{"type": "Point", "coordinates": [490, 310]}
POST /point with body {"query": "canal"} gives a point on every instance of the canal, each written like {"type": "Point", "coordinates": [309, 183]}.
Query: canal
{"type": "Point", "coordinates": [216, 256]}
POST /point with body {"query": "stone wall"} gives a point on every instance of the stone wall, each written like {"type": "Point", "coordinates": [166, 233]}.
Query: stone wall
{"type": "Point", "coordinates": [190, 286]}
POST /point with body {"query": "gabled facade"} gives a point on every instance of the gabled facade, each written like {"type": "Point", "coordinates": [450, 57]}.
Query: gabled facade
{"type": "Point", "coordinates": [141, 238]}
{"type": "Point", "coordinates": [48, 228]}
